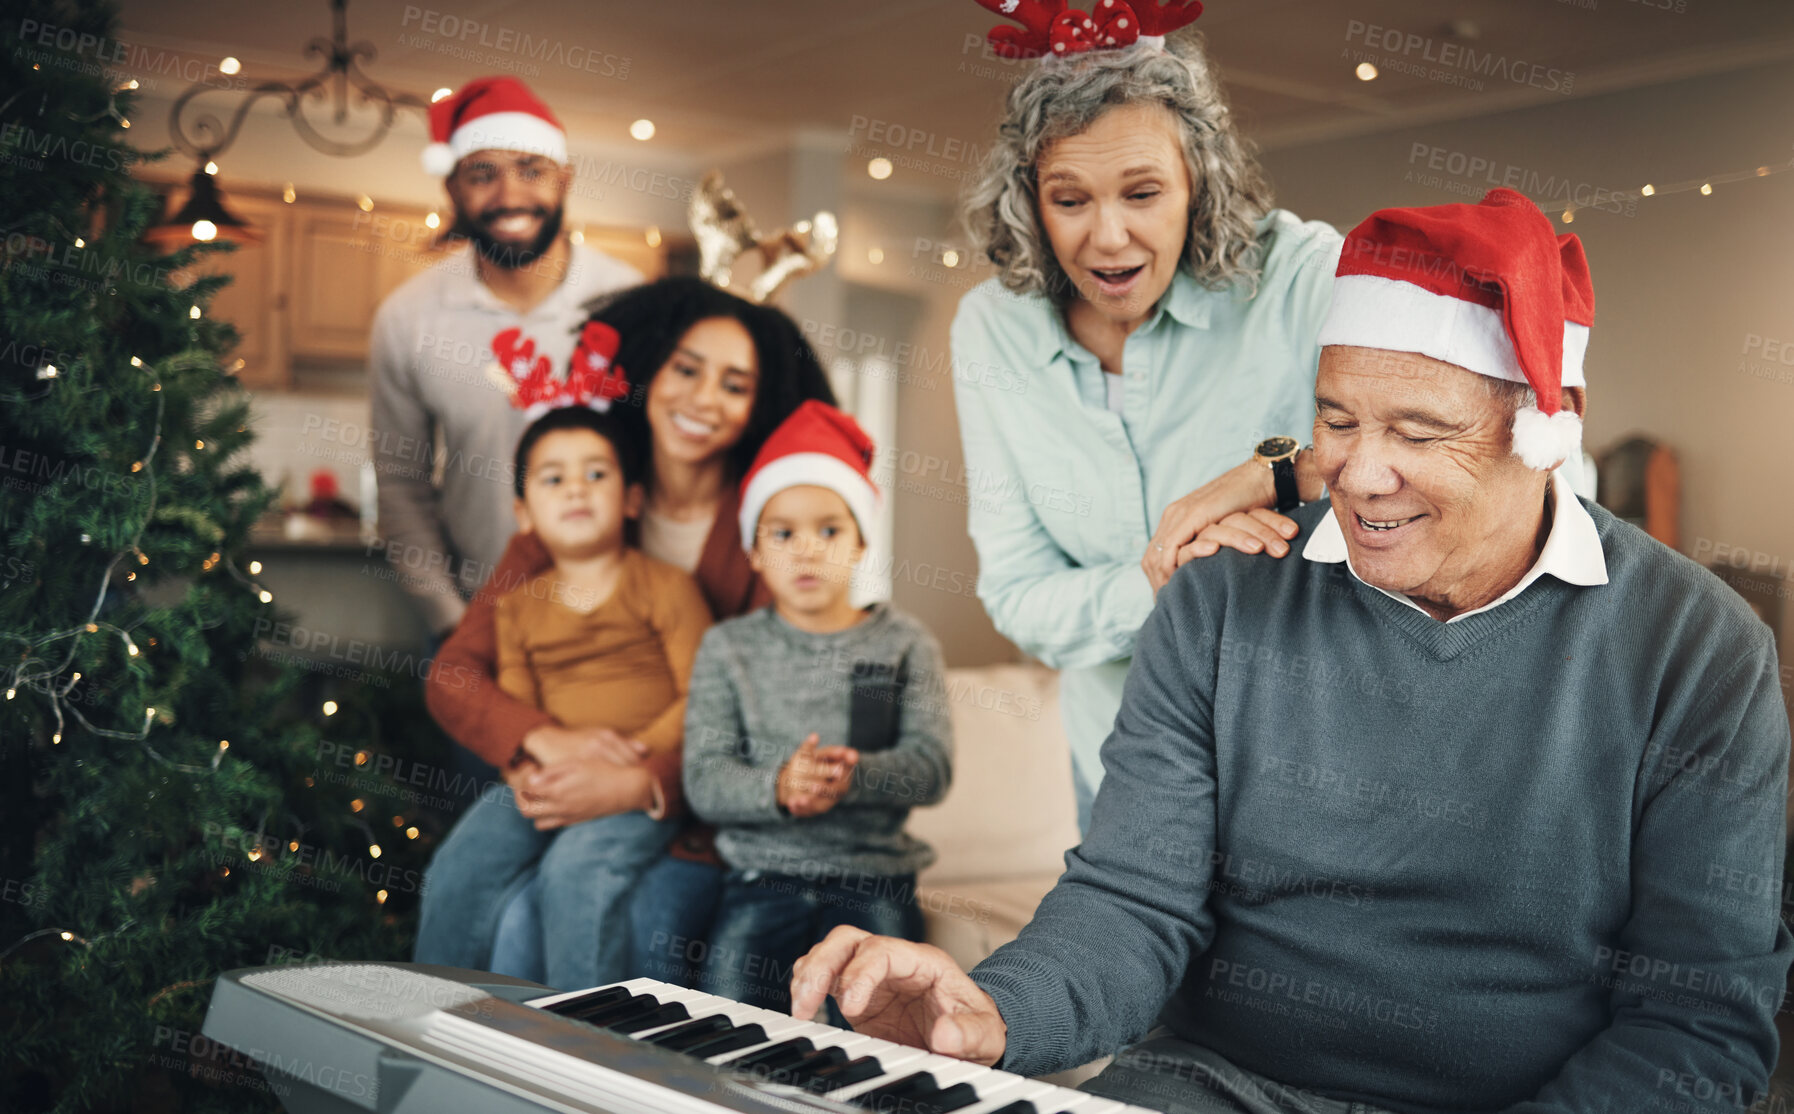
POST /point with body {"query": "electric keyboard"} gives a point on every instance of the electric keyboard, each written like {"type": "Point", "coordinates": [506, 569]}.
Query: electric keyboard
{"type": "Point", "coordinates": [401, 1038]}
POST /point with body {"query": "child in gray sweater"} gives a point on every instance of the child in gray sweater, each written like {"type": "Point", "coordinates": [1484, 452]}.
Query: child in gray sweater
{"type": "Point", "coordinates": [812, 726]}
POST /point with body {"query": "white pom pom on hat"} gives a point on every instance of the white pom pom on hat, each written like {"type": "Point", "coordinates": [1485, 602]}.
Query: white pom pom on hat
{"type": "Point", "coordinates": [439, 160]}
{"type": "Point", "coordinates": [1545, 442]}
{"type": "Point", "coordinates": [1489, 287]}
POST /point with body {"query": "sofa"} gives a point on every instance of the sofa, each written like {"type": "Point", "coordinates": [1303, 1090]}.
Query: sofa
{"type": "Point", "coordinates": [1002, 832]}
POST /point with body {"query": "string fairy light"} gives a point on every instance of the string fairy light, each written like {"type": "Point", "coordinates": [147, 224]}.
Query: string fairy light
{"type": "Point", "coordinates": [35, 672]}
{"type": "Point", "coordinates": [1703, 185]}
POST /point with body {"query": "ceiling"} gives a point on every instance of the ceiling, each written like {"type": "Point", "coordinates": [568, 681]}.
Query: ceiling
{"type": "Point", "coordinates": [724, 79]}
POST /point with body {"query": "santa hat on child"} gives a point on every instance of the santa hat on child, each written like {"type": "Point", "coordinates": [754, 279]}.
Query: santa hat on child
{"type": "Point", "coordinates": [1489, 287]}
{"type": "Point", "coordinates": [491, 113]}
{"type": "Point", "coordinates": [817, 446]}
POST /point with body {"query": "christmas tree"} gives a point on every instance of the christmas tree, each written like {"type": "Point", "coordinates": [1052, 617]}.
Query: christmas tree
{"type": "Point", "coordinates": [172, 803]}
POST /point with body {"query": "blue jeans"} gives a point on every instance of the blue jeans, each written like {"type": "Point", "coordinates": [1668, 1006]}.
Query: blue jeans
{"type": "Point", "coordinates": [584, 875]}
{"type": "Point", "coordinates": [766, 922]}
{"type": "Point", "coordinates": [670, 915]}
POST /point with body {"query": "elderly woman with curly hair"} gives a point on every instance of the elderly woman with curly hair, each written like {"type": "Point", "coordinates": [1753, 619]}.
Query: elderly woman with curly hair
{"type": "Point", "coordinates": [1152, 320]}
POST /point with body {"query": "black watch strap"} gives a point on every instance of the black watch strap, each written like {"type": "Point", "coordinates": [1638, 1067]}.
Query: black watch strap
{"type": "Point", "coordinates": [1283, 475]}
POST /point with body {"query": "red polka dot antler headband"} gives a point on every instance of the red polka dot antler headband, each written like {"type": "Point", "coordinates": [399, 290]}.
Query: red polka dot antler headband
{"type": "Point", "coordinates": [1049, 27]}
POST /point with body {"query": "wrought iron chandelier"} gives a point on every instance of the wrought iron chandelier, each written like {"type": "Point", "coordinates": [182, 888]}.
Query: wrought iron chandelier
{"type": "Point", "coordinates": [204, 135]}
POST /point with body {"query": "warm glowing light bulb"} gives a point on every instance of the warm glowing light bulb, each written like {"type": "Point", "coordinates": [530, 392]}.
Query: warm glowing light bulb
{"type": "Point", "coordinates": [229, 66]}
{"type": "Point", "coordinates": [445, 91]}
{"type": "Point", "coordinates": [193, 312]}
{"type": "Point", "coordinates": [289, 194]}
{"type": "Point", "coordinates": [211, 167]}
{"type": "Point", "coordinates": [411, 833]}
{"type": "Point", "coordinates": [374, 850]}
{"type": "Point", "coordinates": [1649, 190]}
{"type": "Point", "coordinates": [1707, 189]}
{"type": "Point", "coordinates": [950, 257]}
{"type": "Point", "coordinates": [255, 567]}
{"type": "Point", "coordinates": [267, 596]}
{"type": "Point", "coordinates": [642, 130]}
{"type": "Point", "coordinates": [204, 231]}
{"type": "Point", "coordinates": [652, 236]}
{"type": "Point", "coordinates": [879, 168]}
{"type": "Point", "coordinates": [876, 255]}
{"type": "Point", "coordinates": [380, 898]}
{"type": "Point", "coordinates": [67, 935]}
{"type": "Point", "coordinates": [434, 220]}
{"type": "Point", "coordinates": [330, 707]}
{"type": "Point", "coordinates": [364, 203]}
{"type": "Point", "coordinates": [1366, 72]}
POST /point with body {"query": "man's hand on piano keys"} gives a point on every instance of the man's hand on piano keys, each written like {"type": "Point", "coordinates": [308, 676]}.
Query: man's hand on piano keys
{"type": "Point", "coordinates": [913, 994]}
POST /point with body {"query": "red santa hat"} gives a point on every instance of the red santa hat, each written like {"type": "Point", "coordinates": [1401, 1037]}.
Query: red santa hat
{"type": "Point", "coordinates": [819, 446]}
{"type": "Point", "coordinates": [1489, 287]}
{"type": "Point", "coordinates": [491, 113]}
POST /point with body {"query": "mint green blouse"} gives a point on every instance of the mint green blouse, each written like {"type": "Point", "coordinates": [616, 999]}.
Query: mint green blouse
{"type": "Point", "coordinates": [1063, 492]}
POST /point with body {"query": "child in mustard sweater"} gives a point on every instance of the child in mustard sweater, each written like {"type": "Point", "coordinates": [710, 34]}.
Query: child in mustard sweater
{"type": "Point", "coordinates": [604, 638]}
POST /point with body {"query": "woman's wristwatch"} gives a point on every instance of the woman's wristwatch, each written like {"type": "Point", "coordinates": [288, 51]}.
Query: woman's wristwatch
{"type": "Point", "coordinates": [1280, 454]}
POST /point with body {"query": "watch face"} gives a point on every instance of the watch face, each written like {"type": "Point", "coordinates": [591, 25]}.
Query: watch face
{"type": "Point", "coordinates": [1276, 446]}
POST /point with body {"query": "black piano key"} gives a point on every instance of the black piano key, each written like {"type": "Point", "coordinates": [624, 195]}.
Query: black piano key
{"type": "Point", "coordinates": [633, 1006]}
{"type": "Point", "coordinates": [845, 1075]}
{"type": "Point", "coordinates": [956, 1097]}
{"type": "Point", "coordinates": [800, 1073]}
{"type": "Point", "coordinates": [775, 1056]}
{"type": "Point", "coordinates": [681, 1037]}
{"type": "Point", "coordinates": [1019, 1106]}
{"type": "Point", "coordinates": [897, 1090]}
{"type": "Point", "coordinates": [745, 1037]}
{"type": "Point", "coordinates": [915, 1094]}
{"type": "Point", "coordinates": [653, 1019]}
{"type": "Point", "coordinates": [590, 1000]}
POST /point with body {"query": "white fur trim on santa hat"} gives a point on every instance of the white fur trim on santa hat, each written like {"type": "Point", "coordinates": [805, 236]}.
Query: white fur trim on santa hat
{"type": "Point", "coordinates": [1544, 443]}
{"type": "Point", "coordinates": [497, 131]}
{"type": "Point", "coordinates": [809, 469]}
{"type": "Point", "coordinates": [1371, 311]}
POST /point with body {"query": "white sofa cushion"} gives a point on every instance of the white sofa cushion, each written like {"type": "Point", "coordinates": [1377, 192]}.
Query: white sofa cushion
{"type": "Point", "coordinates": [1010, 813]}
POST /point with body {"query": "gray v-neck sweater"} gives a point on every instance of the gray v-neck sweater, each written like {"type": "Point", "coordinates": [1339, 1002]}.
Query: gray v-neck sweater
{"type": "Point", "coordinates": [1530, 860]}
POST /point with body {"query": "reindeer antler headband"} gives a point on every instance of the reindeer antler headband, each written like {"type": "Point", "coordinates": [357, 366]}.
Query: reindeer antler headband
{"type": "Point", "coordinates": [724, 230]}
{"type": "Point", "coordinates": [1048, 27]}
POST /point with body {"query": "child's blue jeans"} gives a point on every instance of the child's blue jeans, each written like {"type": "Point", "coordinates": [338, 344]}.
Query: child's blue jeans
{"type": "Point", "coordinates": [766, 922]}
{"type": "Point", "coordinates": [584, 872]}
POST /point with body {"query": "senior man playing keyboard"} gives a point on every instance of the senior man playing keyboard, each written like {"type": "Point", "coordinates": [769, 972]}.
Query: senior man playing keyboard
{"type": "Point", "coordinates": [1444, 815]}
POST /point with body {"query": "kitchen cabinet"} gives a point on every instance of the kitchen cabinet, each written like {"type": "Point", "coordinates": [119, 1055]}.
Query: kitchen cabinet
{"type": "Point", "coordinates": [304, 298]}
